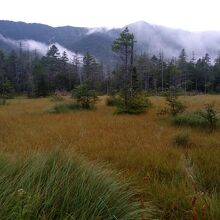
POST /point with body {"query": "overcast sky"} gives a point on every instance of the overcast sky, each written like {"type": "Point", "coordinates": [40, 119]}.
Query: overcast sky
{"type": "Point", "coordinates": [193, 15]}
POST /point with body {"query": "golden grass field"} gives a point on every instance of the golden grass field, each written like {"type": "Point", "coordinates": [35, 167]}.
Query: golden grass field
{"type": "Point", "coordinates": [140, 146]}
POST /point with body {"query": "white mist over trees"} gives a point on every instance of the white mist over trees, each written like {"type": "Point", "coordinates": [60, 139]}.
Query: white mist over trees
{"type": "Point", "coordinates": [32, 45]}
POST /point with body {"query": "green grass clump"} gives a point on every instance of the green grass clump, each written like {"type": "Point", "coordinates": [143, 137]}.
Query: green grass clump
{"type": "Point", "coordinates": [206, 118]}
{"type": "Point", "coordinates": [55, 186]}
{"type": "Point", "coordinates": [65, 107]}
{"type": "Point", "coordinates": [192, 119]}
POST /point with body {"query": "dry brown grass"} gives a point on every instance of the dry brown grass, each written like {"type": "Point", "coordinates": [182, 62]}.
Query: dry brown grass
{"type": "Point", "coordinates": [26, 126]}
{"type": "Point", "coordinates": [139, 145]}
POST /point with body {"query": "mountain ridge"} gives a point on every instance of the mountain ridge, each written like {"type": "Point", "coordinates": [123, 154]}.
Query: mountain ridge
{"type": "Point", "coordinates": [98, 41]}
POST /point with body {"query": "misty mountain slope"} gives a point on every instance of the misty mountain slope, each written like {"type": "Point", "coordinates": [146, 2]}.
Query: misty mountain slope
{"type": "Point", "coordinates": [98, 44]}
{"type": "Point", "coordinates": [154, 38]}
{"type": "Point", "coordinates": [73, 38]}
{"type": "Point", "coordinates": [40, 32]}
{"type": "Point", "coordinates": [98, 41]}
{"type": "Point", "coordinates": [4, 45]}
{"type": "Point", "coordinates": [67, 35]}
{"type": "Point", "coordinates": [21, 30]}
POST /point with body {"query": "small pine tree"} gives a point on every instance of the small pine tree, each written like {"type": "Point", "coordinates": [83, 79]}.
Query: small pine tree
{"type": "Point", "coordinates": [84, 96]}
{"type": "Point", "coordinates": [138, 103]}
{"type": "Point", "coordinates": [175, 106]}
{"type": "Point", "coordinates": [210, 115]}
{"type": "Point", "coordinates": [6, 91]}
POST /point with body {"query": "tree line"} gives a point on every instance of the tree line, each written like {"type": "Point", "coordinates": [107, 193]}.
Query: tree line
{"type": "Point", "coordinates": [28, 73]}
{"type": "Point", "coordinates": [25, 72]}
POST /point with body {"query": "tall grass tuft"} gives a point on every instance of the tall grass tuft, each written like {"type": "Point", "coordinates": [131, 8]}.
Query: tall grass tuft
{"type": "Point", "coordinates": [55, 186]}
{"type": "Point", "coordinates": [181, 139]}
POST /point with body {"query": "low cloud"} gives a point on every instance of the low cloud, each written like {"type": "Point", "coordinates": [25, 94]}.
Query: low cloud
{"type": "Point", "coordinates": [153, 38]}
{"type": "Point", "coordinates": [8, 41]}
{"type": "Point", "coordinates": [97, 30]}
{"type": "Point", "coordinates": [39, 47]}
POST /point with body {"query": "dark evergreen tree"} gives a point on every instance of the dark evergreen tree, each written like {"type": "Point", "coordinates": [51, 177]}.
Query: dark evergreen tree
{"type": "Point", "coordinates": [182, 67]}
{"type": "Point", "coordinates": [124, 46]}
{"type": "Point", "coordinates": [91, 71]}
{"type": "Point", "coordinates": [40, 80]}
{"type": "Point", "coordinates": [216, 78]}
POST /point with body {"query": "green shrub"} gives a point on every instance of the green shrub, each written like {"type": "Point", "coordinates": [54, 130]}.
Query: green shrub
{"type": "Point", "coordinates": [210, 115]}
{"type": "Point", "coordinates": [181, 139]}
{"type": "Point", "coordinates": [138, 103]}
{"type": "Point", "coordinates": [85, 97]}
{"type": "Point", "coordinates": [114, 100]}
{"type": "Point", "coordinates": [65, 107]}
{"type": "Point", "coordinates": [55, 186]}
{"type": "Point", "coordinates": [175, 106]}
{"type": "Point", "coordinates": [57, 97]}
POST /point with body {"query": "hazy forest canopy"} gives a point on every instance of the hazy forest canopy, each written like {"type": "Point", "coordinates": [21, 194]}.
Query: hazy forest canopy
{"type": "Point", "coordinates": [26, 72]}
